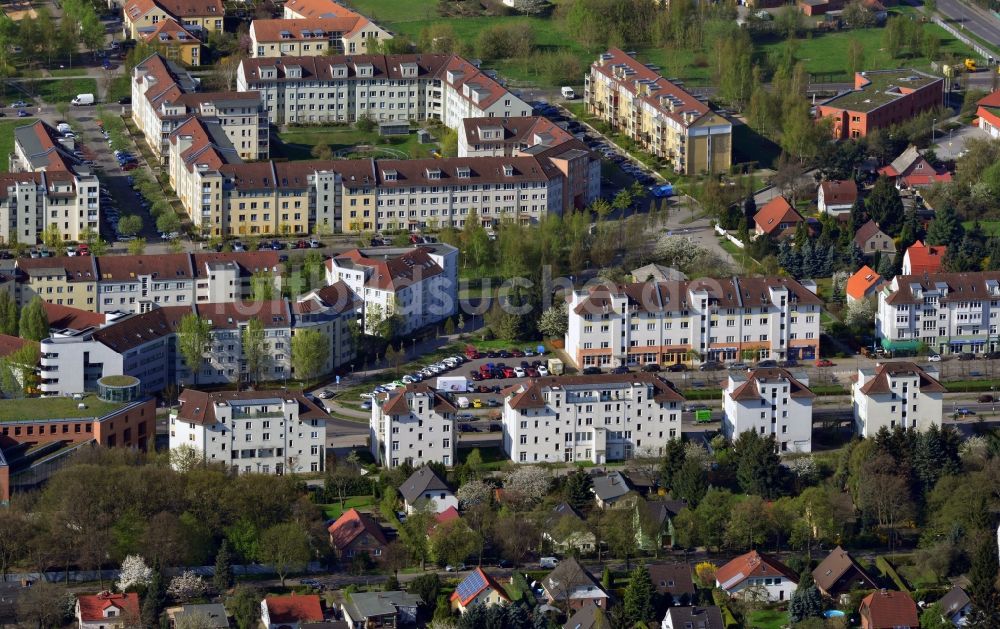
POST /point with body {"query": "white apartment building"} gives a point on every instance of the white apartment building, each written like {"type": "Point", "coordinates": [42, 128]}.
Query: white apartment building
{"type": "Point", "coordinates": [418, 285]}
{"type": "Point", "coordinates": [951, 313]}
{"type": "Point", "coordinates": [597, 418]}
{"type": "Point", "coordinates": [164, 96]}
{"type": "Point", "coordinates": [344, 88]}
{"type": "Point", "coordinates": [706, 319]}
{"type": "Point", "coordinates": [314, 36]}
{"type": "Point", "coordinates": [896, 394]}
{"type": "Point", "coordinates": [267, 432]}
{"type": "Point", "coordinates": [414, 423]}
{"type": "Point", "coordinates": [769, 401]}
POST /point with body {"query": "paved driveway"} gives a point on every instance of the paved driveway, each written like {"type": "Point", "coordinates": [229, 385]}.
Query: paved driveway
{"type": "Point", "coordinates": [951, 144]}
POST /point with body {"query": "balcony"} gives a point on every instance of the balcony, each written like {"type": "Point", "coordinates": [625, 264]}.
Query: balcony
{"type": "Point", "coordinates": [257, 415]}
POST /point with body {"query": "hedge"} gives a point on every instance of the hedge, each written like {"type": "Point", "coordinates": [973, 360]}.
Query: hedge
{"type": "Point", "coordinates": [887, 570]}
{"type": "Point", "coordinates": [966, 386]}
{"type": "Point", "coordinates": [720, 599]}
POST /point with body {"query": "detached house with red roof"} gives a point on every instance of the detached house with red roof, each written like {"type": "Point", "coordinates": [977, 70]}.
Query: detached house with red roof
{"type": "Point", "coordinates": [920, 258]}
{"type": "Point", "coordinates": [836, 197]}
{"type": "Point", "coordinates": [863, 284]}
{"type": "Point", "coordinates": [107, 610]}
{"type": "Point", "coordinates": [478, 588]}
{"type": "Point", "coordinates": [895, 394]}
{"type": "Point", "coordinates": [777, 218]}
{"type": "Point", "coordinates": [912, 170]}
{"type": "Point", "coordinates": [418, 286]}
{"type": "Point", "coordinates": [760, 572]}
{"type": "Point", "coordinates": [414, 423]}
{"type": "Point", "coordinates": [769, 401]}
{"type": "Point", "coordinates": [989, 114]}
{"type": "Point", "coordinates": [291, 611]}
{"type": "Point", "coordinates": [888, 609]}
{"type": "Point", "coordinates": [355, 533]}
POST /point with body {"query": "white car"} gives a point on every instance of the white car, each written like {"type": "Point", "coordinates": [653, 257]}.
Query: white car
{"type": "Point", "coordinates": [934, 358]}
{"type": "Point", "coordinates": [543, 371]}
{"type": "Point", "coordinates": [325, 394]}
{"type": "Point", "coordinates": [518, 372]}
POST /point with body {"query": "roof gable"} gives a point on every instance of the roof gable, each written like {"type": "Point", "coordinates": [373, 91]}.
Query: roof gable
{"type": "Point", "coordinates": [421, 481]}
{"type": "Point", "coordinates": [350, 525]}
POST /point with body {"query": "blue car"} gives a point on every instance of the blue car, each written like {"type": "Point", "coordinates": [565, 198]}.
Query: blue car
{"type": "Point", "coordinates": [22, 114]}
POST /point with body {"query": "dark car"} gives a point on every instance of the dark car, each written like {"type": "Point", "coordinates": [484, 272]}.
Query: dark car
{"type": "Point", "coordinates": [791, 362]}
{"type": "Point", "coordinates": [711, 365]}
{"type": "Point", "coordinates": [986, 398]}
{"type": "Point", "coordinates": [492, 402]}
{"type": "Point", "coordinates": [125, 100]}
{"type": "Point", "coordinates": [966, 356]}
{"type": "Point", "coordinates": [991, 355]}
{"type": "Point", "coordinates": [651, 367]}
{"type": "Point", "coordinates": [677, 367]}
{"type": "Point", "coordinates": [767, 363]}
{"type": "Point", "coordinates": [591, 371]}
{"type": "Point", "coordinates": [621, 369]}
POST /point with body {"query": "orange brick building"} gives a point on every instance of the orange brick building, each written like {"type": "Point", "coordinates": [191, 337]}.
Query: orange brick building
{"type": "Point", "coordinates": [881, 98]}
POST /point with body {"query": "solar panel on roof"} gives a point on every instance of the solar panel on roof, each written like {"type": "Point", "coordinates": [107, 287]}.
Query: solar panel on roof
{"type": "Point", "coordinates": [471, 585]}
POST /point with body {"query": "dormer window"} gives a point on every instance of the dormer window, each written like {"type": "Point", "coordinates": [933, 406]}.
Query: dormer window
{"type": "Point", "coordinates": [464, 172]}
{"type": "Point", "coordinates": [389, 175]}
{"type": "Point", "coordinates": [508, 170]}
{"type": "Point", "coordinates": [433, 173]}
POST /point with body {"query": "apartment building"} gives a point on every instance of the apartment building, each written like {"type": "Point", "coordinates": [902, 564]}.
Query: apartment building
{"type": "Point", "coordinates": [414, 423]}
{"type": "Point", "coordinates": [596, 419]}
{"type": "Point", "coordinates": [770, 401]}
{"type": "Point", "coordinates": [200, 16]}
{"type": "Point", "coordinates": [418, 286]}
{"type": "Point", "coordinates": [164, 96]}
{"type": "Point", "coordinates": [504, 137]}
{"type": "Point", "coordinates": [65, 281]}
{"type": "Point", "coordinates": [345, 88]}
{"type": "Point", "coordinates": [315, 36]}
{"type": "Point", "coordinates": [881, 98]}
{"type": "Point", "coordinates": [172, 40]}
{"type": "Point", "coordinates": [706, 319]}
{"type": "Point", "coordinates": [896, 394]}
{"type": "Point", "coordinates": [274, 431]}
{"type": "Point", "coordinates": [950, 313]}
{"type": "Point", "coordinates": [662, 117]}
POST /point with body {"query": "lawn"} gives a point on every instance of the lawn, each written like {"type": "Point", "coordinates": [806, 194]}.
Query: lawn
{"type": "Point", "coordinates": [333, 510]}
{"type": "Point", "coordinates": [7, 134]}
{"type": "Point", "coordinates": [54, 91]}
{"type": "Point", "coordinates": [990, 228]}
{"type": "Point", "coordinates": [59, 407]}
{"type": "Point", "coordinates": [768, 619]}
{"type": "Point", "coordinates": [120, 87]}
{"type": "Point", "coordinates": [297, 142]}
{"type": "Point", "coordinates": [68, 72]}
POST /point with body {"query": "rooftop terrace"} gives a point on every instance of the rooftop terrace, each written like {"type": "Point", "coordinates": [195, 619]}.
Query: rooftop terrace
{"type": "Point", "coordinates": [33, 409]}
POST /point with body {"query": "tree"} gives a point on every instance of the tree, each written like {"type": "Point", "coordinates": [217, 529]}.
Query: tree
{"type": "Point", "coordinates": [673, 459]}
{"type": "Point", "coordinates": [452, 542]}
{"type": "Point", "coordinates": [637, 600]}
{"type": "Point", "coordinates": [689, 483]}
{"type": "Point", "coordinates": [193, 338]}
{"type": "Point", "coordinates": [262, 286]}
{"type": "Point", "coordinates": [130, 225]}
{"type": "Point", "coordinates": [286, 547]}
{"type": "Point", "coordinates": [748, 524]}
{"type": "Point", "coordinates": [244, 606]}
{"type": "Point", "coordinates": [474, 492]}
{"type": "Point", "coordinates": [982, 581]}
{"type": "Point", "coordinates": [426, 586]}
{"type": "Point", "coordinates": [322, 151]}
{"type": "Point", "coordinates": [885, 207]}
{"type": "Point", "coordinates": [555, 321]}
{"type": "Point", "coordinates": [860, 314]}
{"type": "Point", "coordinates": [758, 467]}
{"type": "Point", "coordinates": [855, 56]}
{"type": "Point", "coordinates": [806, 601]}
{"type": "Point", "coordinates": [168, 223]}
{"type": "Point", "coordinates": [137, 246]}
{"type": "Point", "coordinates": [133, 573]}
{"type": "Point", "coordinates": [577, 490]}
{"type": "Point", "coordinates": [946, 228]}
{"type": "Point", "coordinates": [223, 578]}
{"type": "Point", "coordinates": [254, 348]}
{"type": "Point", "coordinates": [527, 485]}
{"type": "Point", "coordinates": [516, 536]}
{"type": "Point", "coordinates": [310, 353]}
{"type": "Point", "coordinates": [34, 323]}
{"type": "Point", "coordinates": [15, 533]}
{"type": "Point", "coordinates": [8, 314]}
{"type": "Point", "coordinates": [186, 586]}
{"type": "Point", "coordinates": [43, 605]}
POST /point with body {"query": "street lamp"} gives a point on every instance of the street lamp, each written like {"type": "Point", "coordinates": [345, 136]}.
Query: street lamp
{"type": "Point", "coordinates": [933, 129]}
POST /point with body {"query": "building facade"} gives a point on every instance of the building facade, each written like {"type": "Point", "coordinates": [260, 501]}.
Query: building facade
{"type": "Point", "coordinates": [769, 401]}
{"type": "Point", "coordinates": [172, 40]}
{"type": "Point", "coordinates": [881, 98]}
{"type": "Point", "coordinates": [267, 432]}
{"type": "Point", "coordinates": [589, 418]}
{"type": "Point", "coordinates": [197, 15]}
{"type": "Point", "coordinates": [947, 312]}
{"type": "Point", "coordinates": [662, 117]}
{"type": "Point", "coordinates": [315, 36]}
{"type": "Point", "coordinates": [413, 423]}
{"type": "Point", "coordinates": [896, 394]}
{"type": "Point", "coordinates": [671, 322]}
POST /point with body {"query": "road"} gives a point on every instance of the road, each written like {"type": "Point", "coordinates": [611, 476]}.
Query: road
{"type": "Point", "coordinates": [979, 22]}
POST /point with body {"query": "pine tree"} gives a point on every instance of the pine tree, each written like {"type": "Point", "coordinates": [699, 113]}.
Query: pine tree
{"type": "Point", "coordinates": [830, 264]}
{"type": "Point", "coordinates": [690, 483]}
{"type": "Point", "coordinates": [578, 494]}
{"type": "Point", "coordinates": [758, 466]}
{"type": "Point", "coordinates": [806, 601]}
{"type": "Point", "coordinates": [808, 260]}
{"type": "Point", "coordinates": [885, 207]}
{"type": "Point", "coordinates": [156, 596]}
{"type": "Point", "coordinates": [223, 577]}
{"type": "Point", "coordinates": [518, 616]}
{"type": "Point", "coordinates": [946, 228]}
{"type": "Point", "coordinates": [638, 598]}
{"type": "Point", "coordinates": [982, 582]}
{"type": "Point", "coordinates": [673, 459]}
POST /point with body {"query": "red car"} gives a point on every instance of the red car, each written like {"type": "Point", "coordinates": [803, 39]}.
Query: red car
{"type": "Point", "coordinates": [129, 166]}
{"type": "Point", "coordinates": [822, 362]}
{"type": "Point", "coordinates": [508, 373]}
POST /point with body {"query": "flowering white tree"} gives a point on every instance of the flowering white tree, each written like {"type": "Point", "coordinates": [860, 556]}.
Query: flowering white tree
{"type": "Point", "coordinates": [186, 586]}
{"type": "Point", "coordinates": [474, 492]}
{"type": "Point", "coordinates": [134, 573]}
{"type": "Point", "coordinates": [555, 321]}
{"type": "Point", "coordinates": [527, 484]}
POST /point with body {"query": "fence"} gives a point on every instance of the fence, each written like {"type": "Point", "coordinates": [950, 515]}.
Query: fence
{"type": "Point", "coordinates": [962, 37]}
{"type": "Point", "coordinates": [733, 239]}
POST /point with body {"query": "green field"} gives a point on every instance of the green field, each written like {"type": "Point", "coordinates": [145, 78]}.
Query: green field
{"type": "Point", "coordinates": [768, 619]}
{"type": "Point", "coordinates": [54, 91]}
{"type": "Point", "coordinates": [333, 511]}
{"type": "Point", "coordinates": [298, 142]}
{"type": "Point", "coordinates": [7, 136]}
{"type": "Point", "coordinates": [990, 228]}
{"type": "Point", "coordinates": [119, 88]}
{"type": "Point", "coordinates": [68, 72]}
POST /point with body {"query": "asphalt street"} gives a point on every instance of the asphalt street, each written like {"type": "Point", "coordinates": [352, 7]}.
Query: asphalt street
{"type": "Point", "coordinates": [979, 22]}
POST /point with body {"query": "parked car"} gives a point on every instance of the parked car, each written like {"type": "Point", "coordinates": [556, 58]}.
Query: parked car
{"type": "Point", "coordinates": [934, 358]}
{"type": "Point", "coordinates": [591, 371]}
{"type": "Point", "coordinates": [823, 362]}
{"type": "Point", "coordinates": [764, 364]}
{"type": "Point", "coordinates": [986, 398]}
{"type": "Point", "coordinates": [455, 568]}
{"type": "Point", "coordinates": [964, 412]}
{"type": "Point", "coordinates": [651, 367]}
{"type": "Point", "coordinates": [620, 369]}
{"type": "Point", "coordinates": [710, 365]}
{"type": "Point", "coordinates": [690, 408]}
{"type": "Point", "coordinates": [313, 583]}
{"type": "Point", "coordinates": [791, 362]}
{"type": "Point", "coordinates": [738, 366]}
{"type": "Point", "coordinates": [966, 356]}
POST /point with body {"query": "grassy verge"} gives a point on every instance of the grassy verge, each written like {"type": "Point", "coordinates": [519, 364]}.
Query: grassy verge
{"type": "Point", "coordinates": [990, 228]}
{"type": "Point", "coordinates": [68, 72]}
{"type": "Point", "coordinates": [966, 386]}
{"type": "Point", "coordinates": [297, 142]}
{"type": "Point", "coordinates": [120, 88]}
{"type": "Point", "coordinates": [768, 619]}
{"type": "Point", "coordinates": [7, 135]}
{"type": "Point", "coordinates": [334, 510]}
{"type": "Point", "coordinates": [55, 91]}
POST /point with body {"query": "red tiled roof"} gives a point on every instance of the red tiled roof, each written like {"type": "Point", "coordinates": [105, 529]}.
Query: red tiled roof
{"type": "Point", "coordinates": [395, 273]}
{"type": "Point", "coordinates": [924, 259]}
{"type": "Point", "coordinates": [10, 344]}
{"type": "Point", "coordinates": [516, 130]}
{"type": "Point", "coordinates": [396, 403]}
{"type": "Point", "coordinates": [879, 383]}
{"type": "Point", "coordinates": [888, 609]}
{"type": "Point", "coordinates": [249, 262]}
{"type": "Point", "coordinates": [839, 192]}
{"type": "Point", "coordinates": [172, 32]}
{"type": "Point", "coordinates": [352, 524]}
{"type": "Point", "coordinates": [478, 581]}
{"type": "Point", "coordinates": [866, 232]}
{"type": "Point", "coordinates": [752, 564]}
{"type": "Point", "coordinates": [92, 606]}
{"type": "Point", "coordinates": [861, 282]}
{"type": "Point", "coordinates": [989, 108]}
{"type": "Point", "coordinates": [449, 514]}
{"type": "Point", "coordinates": [198, 407]}
{"type": "Point", "coordinates": [69, 318]}
{"type": "Point", "coordinates": [167, 266]}
{"type": "Point", "coordinates": [180, 9]}
{"type": "Point", "coordinates": [293, 608]}
{"type": "Point", "coordinates": [529, 393]}
{"type": "Point", "coordinates": [749, 390]}
{"type": "Point", "coordinates": [317, 28]}
{"type": "Point", "coordinates": [775, 212]}
{"type": "Point", "coordinates": [319, 8]}
{"type": "Point", "coordinates": [226, 315]}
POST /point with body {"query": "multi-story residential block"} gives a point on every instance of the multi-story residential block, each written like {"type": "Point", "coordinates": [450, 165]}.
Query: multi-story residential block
{"type": "Point", "coordinates": [418, 286]}
{"type": "Point", "coordinates": [40, 147]}
{"type": "Point", "coordinates": [200, 16]}
{"type": "Point", "coordinates": [141, 282]}
{"type": "Point", "coordinates": [307, 9]}
{"type": "Point", "coordinates": [660, 116]}
{"type": "Point", "coordinates": [671, 322]}
{"type": "Point", "coordinates": [414, 423]}
{"type": "Point", "coordinates": [172, 40]}
{"type": "Point", "coordinates": [769, 401]}
{"type": "Point", "coordinates": [145, 345]}
{"type": "Point", "coordinates": [896, 394]}
{"type": "Point", "coordinates": [881, 98]}
{"type": "Point", "coordinates": [345, 88]}
{"type": "Point", "coordinates": [504, 137]}
{"type": "Point", "coordinates": [947, 312]}
{"type": "Point", "coordinates": [314, 36]}
{"type": "Point", "coordinates": [164, 96]}
{"type": "Point", "coordinates": [265, 431]}
{"type": "Point", "coordinates": [35, 437]}
{"type": "Point", "coordinates": [589, 418]}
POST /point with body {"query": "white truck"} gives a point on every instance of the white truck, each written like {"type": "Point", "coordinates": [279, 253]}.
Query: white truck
{"type": "Point", "coordinates": [455, 384]}
{"type": "Point", "coordinates": [82, 99]}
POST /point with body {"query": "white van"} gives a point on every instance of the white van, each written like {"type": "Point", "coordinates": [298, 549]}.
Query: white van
{"type": "Point", "coordinates": [463, 402]}
{"type": "Point", "coordinates": [82, 99]}
{"type": "Point", "coordinates": [548, 562]}
{"type": "Point", "coordinates": [568, 93]}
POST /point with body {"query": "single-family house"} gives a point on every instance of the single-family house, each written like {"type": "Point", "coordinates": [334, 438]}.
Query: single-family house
{"type": "Point", "coordinates": [956, 606]}
{"type": "Point", "coordinates": [709, 617]}
{"type": "Point", "coordinates": [912, 170]}
{"type": "Point", "coordinates": [838, 574]}
{"type": "Point", "coordinates": [206, 615]}
{"type": "Point", "coordinates": [921, 258]}
{"type": "Point", "coordinates": [888, 609]}
{"type": "Point", "coordinates": [107, 610]}
{"type": "Point", "coordinates": [572, 586]}
{"type": "Point", "coordinates": [863, 284]}
{"type": "Point", "coordinates": [989, 114]}
{"type": "Point", "coordinates": [380, 609]}
{"type": "Point", "coordinates": [757, 571]}
{"type": "Point", "coordinates": [355, 533]}
{"type": "Point", "coordinates": [425, 489]}
{"type": "Point", "coordinates": [660, 513]}
{"type": "Point", "coordinates": [566, 529]}
{"type": "Point", "coordinates": [777, 218]}
{"type": "Point", "coordinates": [478, 588]}
{"type": "Point", "coordinates": [673, 581]}
{"type": "Point", "coordinates": [609, 489]}
{"type": "Point", "coordinates": [589, 616]}
{"type": "Point", "coordinates": [291, 611]}
{"type": "Point", "coordinates": [870, 239]}
{"type": "Point", "coordinates": [835, 197]}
